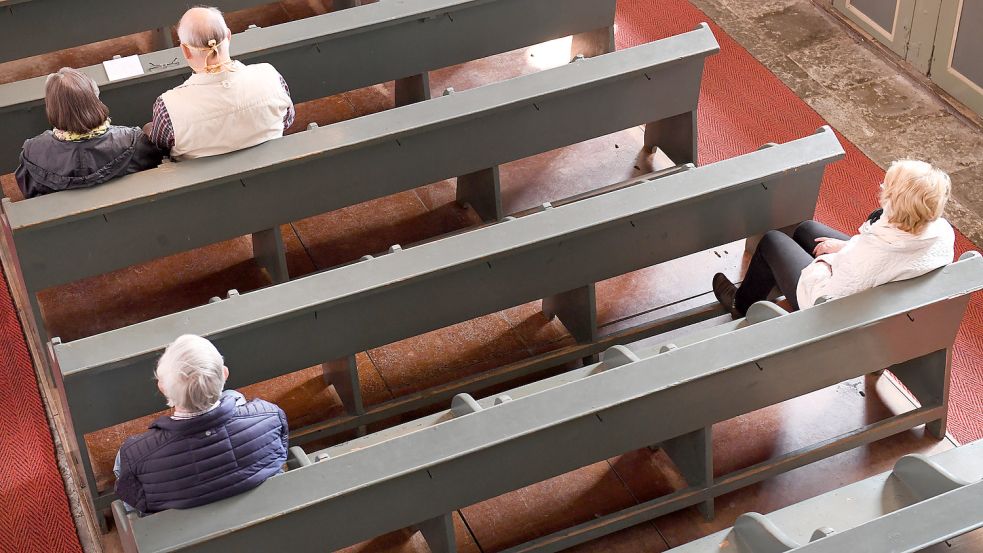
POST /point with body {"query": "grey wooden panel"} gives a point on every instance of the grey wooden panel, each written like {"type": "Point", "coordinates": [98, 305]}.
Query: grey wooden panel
{"type": "Point", "coordinates": [421, 475]}
{"type": "Point", "coordinates": [329, 54]}
{"type": "Point", "coordinates": [174, 208]}
{"type": "Point", "coordinates": [881, 12]}
{"type": "Point", "coordinates": [330, 315]}
{"type": "Point", "coordinates": [32, 27]}
{"type": "Point", "coordinates": [967, 56]}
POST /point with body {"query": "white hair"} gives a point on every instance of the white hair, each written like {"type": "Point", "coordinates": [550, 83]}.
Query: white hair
{"type": "Point", "coordinates": [191, 374]}
{"type": "Point", "coordinates": [202, 24]}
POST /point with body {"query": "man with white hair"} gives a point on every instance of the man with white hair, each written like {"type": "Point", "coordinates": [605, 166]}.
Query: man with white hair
{"type": "Point", "coordinates": [214, 445]}
{"type": "Point", "coordinates": [225, 105]}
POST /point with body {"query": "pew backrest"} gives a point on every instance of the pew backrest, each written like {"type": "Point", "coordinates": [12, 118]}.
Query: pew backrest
{"type": "Point", "coordinates": [68, 23]}
{"type": "Point", "coordinates": [327, 54]}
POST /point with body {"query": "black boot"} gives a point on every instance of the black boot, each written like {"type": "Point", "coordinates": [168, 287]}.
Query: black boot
{"type": "Point", "coordinates": [726, 294]}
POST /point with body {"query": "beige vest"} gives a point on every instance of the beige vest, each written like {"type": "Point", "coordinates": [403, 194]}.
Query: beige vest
{"type": "Point", "coordinates": [218, 113]}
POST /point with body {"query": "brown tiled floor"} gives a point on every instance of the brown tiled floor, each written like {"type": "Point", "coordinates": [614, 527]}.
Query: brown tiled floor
{"type": "Point", "coordinates": [189, 279]}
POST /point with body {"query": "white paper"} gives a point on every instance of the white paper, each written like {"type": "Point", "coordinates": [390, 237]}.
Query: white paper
{"type": "Point", "coordinates": [123, 68]}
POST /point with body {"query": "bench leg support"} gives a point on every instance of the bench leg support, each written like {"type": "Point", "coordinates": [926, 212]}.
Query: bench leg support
{"type": "Point", "coordinates": [927, 377]}
{"type": "Point", "coordinates": [693, 455]}
{"type": "Point", "coordinates": [271, 255]}
{"type": "Point", "coordinates": [592, 43]}
{"type": "Point", "coordinates": [439, 533]}
{"type": "Point", "coordinates": [577, 310]}
{"type": "Point", "coordinates": [675, 136]}
{"type": "Point", "coordinates": [482, 190]}
{"type": "Point", "coordinates": [411, 90]}
{"type": "Point", "coordinates": [162, 39]}
{"type": "Point", "coordinates": [343, 375]}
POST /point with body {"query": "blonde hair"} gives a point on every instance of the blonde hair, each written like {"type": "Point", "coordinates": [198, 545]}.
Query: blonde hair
{"type": "Point", "coordinates": [915, 194]}
{"type": "Point", "coordinates": [191, 373]}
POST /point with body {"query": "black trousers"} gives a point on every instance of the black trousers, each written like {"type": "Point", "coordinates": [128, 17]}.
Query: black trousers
{"type": "Point", "coordinates": [779, 261]}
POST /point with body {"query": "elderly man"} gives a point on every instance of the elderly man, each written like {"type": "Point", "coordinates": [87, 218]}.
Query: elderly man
{"type": "Point", "coordinates": [214, 445]}
{"type": "Point", "coordinates": [226, 105]}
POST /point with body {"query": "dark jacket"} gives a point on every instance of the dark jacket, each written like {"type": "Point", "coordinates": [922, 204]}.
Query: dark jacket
{"type": "Point", "coordinates": [50, 165]}
{"type": "Point", "coordinates": [181, 464]}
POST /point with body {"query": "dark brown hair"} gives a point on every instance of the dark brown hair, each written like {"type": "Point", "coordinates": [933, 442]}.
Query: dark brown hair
{"type": "Point", "coordinates": [71, 100]}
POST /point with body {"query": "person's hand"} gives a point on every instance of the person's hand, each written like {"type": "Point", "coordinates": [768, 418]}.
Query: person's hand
{"type": "Point", "coordinates": [827, 245]}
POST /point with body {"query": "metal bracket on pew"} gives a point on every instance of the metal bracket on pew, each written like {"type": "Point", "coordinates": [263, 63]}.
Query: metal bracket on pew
{"type": "Point", "coordinates": [693, 455]}
{"type": "Point", "coordinates": [577, 310]}
{"type": "Point", "coordinates": [763, 311]}
{"type": "Point", "coordinates": [464, 404]}
{"type": "Point", "coordinates": [297, 458]}
{"type": "Point", "coordinates": [482, 190]}
{"type": "Point", "coordinates": [337, 5]}
{"type": "Point", "coordinates": [439, 533]}
{"type": "Point", "coordinates": [756, 534]}
{"type": "Point", "coordinates": [616, 356]}
{"type": "Point", "coordinates": [926, 477]}
{"type": "Point", "coordinates": [343, 375]}
{"type": "Point", "coordinates": [270, 254]}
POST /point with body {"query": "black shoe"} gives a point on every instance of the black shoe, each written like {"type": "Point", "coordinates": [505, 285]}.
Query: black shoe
{"type": "Point", "coordinates": [726, 294]}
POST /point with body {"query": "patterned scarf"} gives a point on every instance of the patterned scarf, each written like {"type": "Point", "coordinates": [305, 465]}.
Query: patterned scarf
{"type": "Point", "coordinates": [69, 136]}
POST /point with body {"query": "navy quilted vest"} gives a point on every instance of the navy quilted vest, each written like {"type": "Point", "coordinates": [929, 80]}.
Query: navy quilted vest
{"type": "Point", "coordinates": [180, 464]}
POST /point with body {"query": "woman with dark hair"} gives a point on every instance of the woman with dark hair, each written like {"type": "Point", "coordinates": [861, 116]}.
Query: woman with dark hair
{"type": "Point", "coordinates": [83, 149]}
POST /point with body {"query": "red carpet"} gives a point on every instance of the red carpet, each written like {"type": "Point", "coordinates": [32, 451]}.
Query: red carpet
{"type": "Point", "coordinates": [34, 513]}
{"type": "Point", "coordinates": [743, 106]}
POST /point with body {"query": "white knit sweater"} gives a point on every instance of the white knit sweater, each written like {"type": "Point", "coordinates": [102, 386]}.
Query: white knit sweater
{"type": "Point", "coordinates": [881, 253]}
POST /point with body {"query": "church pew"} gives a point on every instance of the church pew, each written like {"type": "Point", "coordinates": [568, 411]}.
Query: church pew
{"type": "Point", "coordinates": [174, 208]}
{"type": "Point", "coordinates": [924, 501]}
{"type": "Point", "coordinates": [418, 474]}
{"type": "Point", "coordinates": [337, 52]}
{"type": "Point", "coordinates": [557, 254]}
{"type": "Point", "coordinates": [32, 27]}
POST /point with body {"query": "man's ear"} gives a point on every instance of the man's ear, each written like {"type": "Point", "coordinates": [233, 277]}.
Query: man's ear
{"type": "Point", "coordinates": [186, 52]}
{"type": "Point", "coordinates": [225, 372]}
{"type": "Point", "coordinates": [228, 33]}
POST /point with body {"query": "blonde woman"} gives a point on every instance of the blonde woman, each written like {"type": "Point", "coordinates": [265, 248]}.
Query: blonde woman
{"type": "Point", "coordinates": [904, 239]}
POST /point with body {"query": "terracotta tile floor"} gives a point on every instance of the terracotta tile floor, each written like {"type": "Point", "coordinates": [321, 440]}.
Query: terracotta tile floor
{"type": "Point", "coordinates": [189, 279]}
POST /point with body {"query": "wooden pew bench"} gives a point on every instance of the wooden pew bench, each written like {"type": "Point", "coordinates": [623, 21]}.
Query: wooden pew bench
{"type": "Point", "coordinates": [924, 501]}
{"type": "Point", "coordinates": [418, 473]}
{"type": "Point", "coordinates": [181, 206]}
{"type": "Point", "coordinates": [557, 254]}
{"type": "Point", "coordinates": [336, 52]}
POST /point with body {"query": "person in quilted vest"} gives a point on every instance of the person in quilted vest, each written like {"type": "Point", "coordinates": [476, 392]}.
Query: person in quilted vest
{"type": "Point", "coordinates": [214, 445]}
{"type": "Point", "coordinates": [906, 238]}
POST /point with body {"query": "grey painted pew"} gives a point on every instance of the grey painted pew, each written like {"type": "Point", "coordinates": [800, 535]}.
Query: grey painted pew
{"type": "Point", "coordinates": [420, 472]}
{"type": "Point", "coordinates": [180, 206]}
{"type": "Point", "coordinates": [338, 52]}
{"type": "Point", "coordinates": [555, 254]}
{"type": "Point", "coordinates": [32, 27]}
{"type": "Point", "coordinates": [922, 502]}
